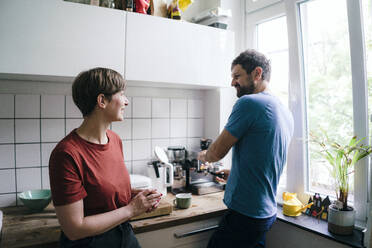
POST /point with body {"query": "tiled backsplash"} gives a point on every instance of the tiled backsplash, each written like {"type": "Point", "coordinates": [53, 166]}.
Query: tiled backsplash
{"type": "Point", "coordinates": [31, 126]}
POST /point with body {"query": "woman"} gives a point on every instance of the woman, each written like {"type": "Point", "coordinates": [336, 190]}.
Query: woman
{"type": "Point", "coordinates": [90, 184]}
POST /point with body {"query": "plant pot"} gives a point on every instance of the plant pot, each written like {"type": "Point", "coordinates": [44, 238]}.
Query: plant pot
{"type": "Point", "coordinates": [341, 222]}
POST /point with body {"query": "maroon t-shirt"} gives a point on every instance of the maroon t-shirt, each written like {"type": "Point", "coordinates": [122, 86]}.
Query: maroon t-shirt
{"type": "Point", "coordinates": [96, 173]}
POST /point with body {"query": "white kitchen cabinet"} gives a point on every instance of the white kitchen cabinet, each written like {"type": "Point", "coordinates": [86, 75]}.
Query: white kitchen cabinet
{"type": "Point", "coordinates": [170, 51]}
{"type": "Point", "coordinates": [187, 235]}
{"type": "Point", "coordinates": [56, 38]}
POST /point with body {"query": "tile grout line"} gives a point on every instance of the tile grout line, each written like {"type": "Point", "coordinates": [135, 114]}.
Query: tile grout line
{"type": "Point", "coordinates": [15, 150]}
{"type": "Point", "coordinates": [41, 168]}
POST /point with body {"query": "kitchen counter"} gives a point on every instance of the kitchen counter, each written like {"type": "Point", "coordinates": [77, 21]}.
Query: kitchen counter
{"type": "Point", "coordinates": [21, 228]}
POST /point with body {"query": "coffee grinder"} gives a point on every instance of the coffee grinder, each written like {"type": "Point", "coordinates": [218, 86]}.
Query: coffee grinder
{"type": "Point", "coordinates": [177, 156]}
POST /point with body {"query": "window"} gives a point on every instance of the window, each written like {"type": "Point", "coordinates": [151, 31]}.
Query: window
{"type": "Point", "coordinates": [327, 67]}
{"type": "Point", "coordinates": [272, 41]}
{"type": "Point", "coordinates": [325, 86]}
{"type": "Point", "coordinates": [367, 14]}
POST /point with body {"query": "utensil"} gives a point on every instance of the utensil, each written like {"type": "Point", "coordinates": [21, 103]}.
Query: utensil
{"type": "Point", "coordinates": [162, 156]}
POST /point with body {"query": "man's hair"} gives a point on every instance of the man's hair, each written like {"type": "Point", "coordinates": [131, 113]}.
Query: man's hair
{"type": "Point", "coordinates": [89, 84]}
{"type": "Point", "coordinates": [250, 59]}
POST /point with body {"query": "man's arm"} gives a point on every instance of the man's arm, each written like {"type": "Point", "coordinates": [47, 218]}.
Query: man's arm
{"type": "Point", "coordinates": [219, 148]}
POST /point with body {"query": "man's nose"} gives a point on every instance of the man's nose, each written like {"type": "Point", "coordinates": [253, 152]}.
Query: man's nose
{"type": "Point", "coordinates": [233, 83]}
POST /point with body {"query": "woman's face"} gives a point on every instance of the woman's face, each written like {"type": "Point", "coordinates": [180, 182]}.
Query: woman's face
{"type": "Point", "coordinates": [115, 108]}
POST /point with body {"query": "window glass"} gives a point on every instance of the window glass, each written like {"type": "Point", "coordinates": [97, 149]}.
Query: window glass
{"type": "Point", "coordinates": [272, 40]}
{"type": "Point", "coordinates": [367, 14]}
{"type": "Point", "coordinates": [329, 106]}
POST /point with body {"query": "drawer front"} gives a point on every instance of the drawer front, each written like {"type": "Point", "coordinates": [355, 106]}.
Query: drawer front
{"type": "Point", "coordinates": [194, 234]}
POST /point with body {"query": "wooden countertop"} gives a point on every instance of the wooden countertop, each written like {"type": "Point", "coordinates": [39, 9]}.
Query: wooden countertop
{"type": "Point", "coordinates": [21, 228]}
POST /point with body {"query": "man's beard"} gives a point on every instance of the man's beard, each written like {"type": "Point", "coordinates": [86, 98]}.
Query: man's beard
{"type": "Point", "coordinates": [245, 90]}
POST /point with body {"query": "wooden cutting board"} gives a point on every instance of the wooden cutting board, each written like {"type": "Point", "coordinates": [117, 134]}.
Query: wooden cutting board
{"type": "Point", "coordinates": [164, 208]}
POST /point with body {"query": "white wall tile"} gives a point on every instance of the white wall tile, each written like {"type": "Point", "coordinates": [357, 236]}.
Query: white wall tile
{"type": "Point", "coordinates": [178, 142]}
{"type": "Point", "coordinates": [52, 130]}
{"type": "Point", "coordinates": [193, 144]}
{"type": "Point", "coordinates": [28, 178]}
{"type": "Point", "coordinates": [8, 200]}
{"type": "Point", "coordinates": [195, 108]}
{"type": "Point", "coordinates": [46, 150]}
{"type": "Point", "coordinates": [72, 111]}
{"type": "Point", "coordinates": [178, 128]}
{"type": "Point", "coordinates": [141, 128]}
{"type": "Point", "coordinates": [27, 106]}
{"type": "Point", "coordinates": [139, 167]}
{"type": "Point", "coordinates": [163, 143]}
{"type": "Point", "coordinates": [27, 155]}
{"type": "Point", "coordinates": [45, 177]}
{"type": "Point", "coordinates": [6, 131]}
{"type": "Point", "coordinates": [123, 128]}
{"type": "Point", "coordinates": [7, 106]}
{"type": "Point", "coordinates": [52, 106]}
{"type": "Point", "coordinates": [195, 127]}
{"type": "Point", "coordinates": [178, 108]}
{"type": "Point", "coordinates": [160, 128]}
{"type": "Point", "coordinates": [7, 181]}
{"type": "Point", "coordinates": [128, 108]}
{"type": "Point", "coordinates": [127, 150]}
{"type": "Point", "coordinates": [27, 130]}
{"type": "Point", "coordinates": [71, 124]}
{"type": "Point", "coordinates": [160, 108]}
{"type": "Point", "coordinates": [141, 107]}
{"type": "Point", "coordinates": [141, 149]}
{"type": "Point", "coordinates": [7, 156]}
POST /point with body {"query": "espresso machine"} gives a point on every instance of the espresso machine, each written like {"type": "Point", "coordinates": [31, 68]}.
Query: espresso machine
{"type": "Point", "coordinates": [190, 174]}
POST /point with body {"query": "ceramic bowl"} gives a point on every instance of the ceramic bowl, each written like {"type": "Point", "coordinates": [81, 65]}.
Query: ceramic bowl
{"type": "Point", "coordinates": [36, 199]}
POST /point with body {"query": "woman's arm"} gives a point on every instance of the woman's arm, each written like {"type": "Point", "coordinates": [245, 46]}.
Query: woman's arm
{"type": "Point", "coordinates": [76, 226]}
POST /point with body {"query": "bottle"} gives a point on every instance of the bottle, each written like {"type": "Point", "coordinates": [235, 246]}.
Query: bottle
{"type": "Point", "coordinates": [129, 6]}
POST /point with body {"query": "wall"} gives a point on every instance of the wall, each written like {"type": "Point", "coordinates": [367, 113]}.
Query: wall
{"type": "Point", "coordinates": [35, 115]}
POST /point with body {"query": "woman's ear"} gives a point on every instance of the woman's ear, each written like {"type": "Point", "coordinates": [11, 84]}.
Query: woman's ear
{"type": "Point", "coordinates": [101, 101]}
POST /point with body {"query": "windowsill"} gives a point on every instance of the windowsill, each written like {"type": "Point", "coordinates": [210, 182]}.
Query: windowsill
{"type": "Point", "coordinates": [320, 227]}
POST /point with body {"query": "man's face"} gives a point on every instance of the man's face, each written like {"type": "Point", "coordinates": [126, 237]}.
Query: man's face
{"type": "Point", "coordinates": [242, 81]}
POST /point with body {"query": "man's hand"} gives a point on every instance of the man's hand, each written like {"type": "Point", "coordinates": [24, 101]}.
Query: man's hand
{"type": "Point", "coordinates": [202, 155]}
{"type": "Point", "coordinates": [222, 175]}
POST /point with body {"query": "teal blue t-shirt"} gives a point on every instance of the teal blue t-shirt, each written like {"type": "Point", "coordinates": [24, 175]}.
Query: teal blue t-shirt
{"type": "Point", "coordinates": [264, 128]}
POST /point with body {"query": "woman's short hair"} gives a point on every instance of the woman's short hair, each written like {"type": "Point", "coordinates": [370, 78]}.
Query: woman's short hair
{"type": "Point", "coordinates": [250, 59]}
{"type": "Point", "coordinates": [89, 84]}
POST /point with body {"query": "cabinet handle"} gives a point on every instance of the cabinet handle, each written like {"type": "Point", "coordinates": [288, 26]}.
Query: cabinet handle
{"type": "Point", "coordinates": [194, 232]}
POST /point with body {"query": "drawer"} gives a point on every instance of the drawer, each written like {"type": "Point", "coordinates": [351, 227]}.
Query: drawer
{"type": "Point", "coordinates": [195, 234]}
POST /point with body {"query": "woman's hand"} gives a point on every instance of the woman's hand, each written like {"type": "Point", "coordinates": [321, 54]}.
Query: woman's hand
{"type": "Point", "coordinates": [144, 201]}
{"type": "Point", "coordinates": [222, 175]}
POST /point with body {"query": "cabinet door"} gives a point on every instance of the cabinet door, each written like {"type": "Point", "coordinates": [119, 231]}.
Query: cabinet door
{"type": "Point", "coordinates": [170, 51]}
{"type": "Point", "coordinates": [53, 37]}
{"type": "Point", "coordinates": [187, 235]}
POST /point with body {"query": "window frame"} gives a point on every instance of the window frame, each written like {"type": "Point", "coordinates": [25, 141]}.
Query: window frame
{"type": "Point", "coordinates": [297, 164]}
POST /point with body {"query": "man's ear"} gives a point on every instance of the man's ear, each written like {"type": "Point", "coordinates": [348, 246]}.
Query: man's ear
{"type": "Point", "coordinates": [257, 73]}
{"type": "Point", "coordinates": [101, 101]}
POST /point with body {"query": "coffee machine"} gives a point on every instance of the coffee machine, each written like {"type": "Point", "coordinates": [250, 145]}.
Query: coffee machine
{"type": "Point", "coordinates": [190, 174]}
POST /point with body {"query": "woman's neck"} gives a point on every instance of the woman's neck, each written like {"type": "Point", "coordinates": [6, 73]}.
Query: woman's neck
{"type": "Point", "coordinates": [93, 129]}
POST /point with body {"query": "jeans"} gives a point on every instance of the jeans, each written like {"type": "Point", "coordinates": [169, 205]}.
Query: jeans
{"type": "Point", "coordinates": [121, 236]}
{"type": "Point", "coordinates": [237, 230]}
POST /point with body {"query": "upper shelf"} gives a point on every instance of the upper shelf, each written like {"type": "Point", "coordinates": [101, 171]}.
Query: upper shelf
{"type": "Point", "coordinates": [54, 40]}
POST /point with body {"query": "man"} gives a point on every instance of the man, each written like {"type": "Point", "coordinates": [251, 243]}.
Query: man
{"type": "Point", "coordinates": [259, 129]}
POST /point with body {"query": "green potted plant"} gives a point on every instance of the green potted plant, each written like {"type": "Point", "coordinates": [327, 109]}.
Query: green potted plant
{"type": "Point", "coordinates": [341, 160]}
